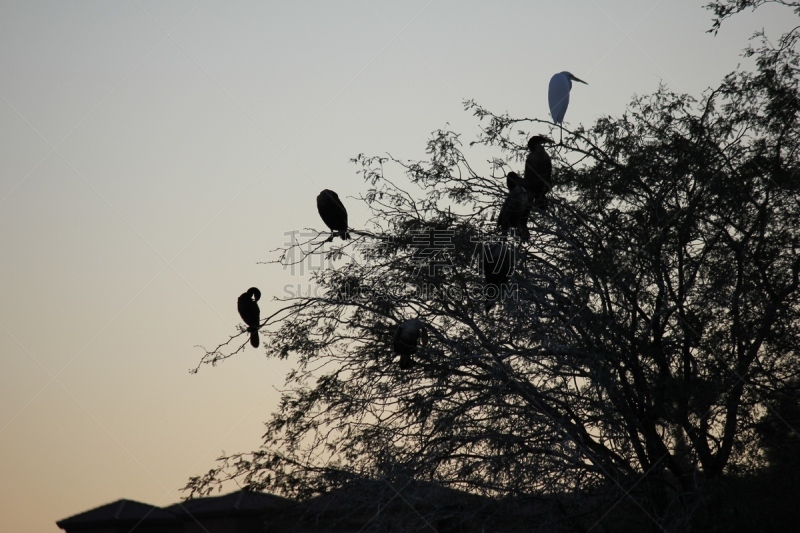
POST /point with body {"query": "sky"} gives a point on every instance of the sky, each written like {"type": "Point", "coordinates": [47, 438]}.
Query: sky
{"type": "Point", "coordinates": [153, 155]}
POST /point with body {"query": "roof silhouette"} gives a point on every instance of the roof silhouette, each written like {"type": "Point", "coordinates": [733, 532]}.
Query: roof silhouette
{"type": "Point", "coordinates": [240, 501]}
{"type": "Point", "coordinates": [118, 511]}
{"type": "Point", "coordinates": [360, 504]}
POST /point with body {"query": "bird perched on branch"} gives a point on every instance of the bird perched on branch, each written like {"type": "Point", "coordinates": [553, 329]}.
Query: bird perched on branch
{"type": "Point", "coordinates": [333, 213]}
{"type": "Point", "coordinates": [248, 310]}
{"type": "Point", "coordinates": [558, 94]}
{"type": "Point", "coordinates": [538, 171]}
{"type": "Point", "coordinates": [514, 213]}
{"type": "Point", "coordinates": [514, 180]}
{"type": "Point", "coordinates": [406, 336]}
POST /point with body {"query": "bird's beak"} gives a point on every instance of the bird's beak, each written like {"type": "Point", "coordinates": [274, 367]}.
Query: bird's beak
{"type": "Point", "coordinates": [580, 80]}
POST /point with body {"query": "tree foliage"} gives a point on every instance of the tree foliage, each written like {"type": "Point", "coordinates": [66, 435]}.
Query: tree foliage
{"type": "Point", "coordinates": [724, 9]}
{"type": "Point", "coordinates": [652, 322]}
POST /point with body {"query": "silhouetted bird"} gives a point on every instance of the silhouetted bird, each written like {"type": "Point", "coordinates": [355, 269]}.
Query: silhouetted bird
{"type": "Point", "coordinates": [538, 171]}
{"type": "Point", "coordinates": [406, 336]}
{"type": "Point", "coordinates": [514, 213]}
{"type": "Point", "coordinates": [498, 264]}
{"type": "Point", "coordinates": [514, 180]}
{"type": "Point", "coordinates": [248, 310]}
{"type": "Point", "coordinates": [333, 213]}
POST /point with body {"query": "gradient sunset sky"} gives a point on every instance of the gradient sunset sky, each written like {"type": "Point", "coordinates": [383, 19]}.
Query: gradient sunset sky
{"type": "Point", "coordinates": [153, 152]}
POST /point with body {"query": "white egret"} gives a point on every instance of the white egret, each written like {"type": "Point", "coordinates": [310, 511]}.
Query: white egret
{"type": "Point", "coordinates": [558, 95]}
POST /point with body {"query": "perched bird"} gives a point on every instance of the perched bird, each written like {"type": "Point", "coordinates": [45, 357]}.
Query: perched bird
{"type": "Point", "coordinates": [333, 213]}
{"type": "Point", "coordinates": [538, 171]}
{"type": "Point", "coordinates": [498, 264]}
{"type": "Point", "coordinates": [406, 336]}
{"type": "Point", "coordinates": [514, 213]}
{"type": "Point", "coordinates": [514, 180]}
{"type": "Point", "coordinates": [248, 310]}
{"type": "Point", "coordinates": [558, 94]}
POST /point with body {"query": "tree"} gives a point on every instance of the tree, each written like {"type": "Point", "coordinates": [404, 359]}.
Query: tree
{"type": "Point", "coordinates": [724, 9]}
{"type": "Point", "coordinates": [650, 321]}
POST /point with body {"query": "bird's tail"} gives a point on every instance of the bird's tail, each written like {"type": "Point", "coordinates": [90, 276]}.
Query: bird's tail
{"type": "Point", "coordinates": [253, 337]}
{"type": "Point", "coordinates": [524, 233]}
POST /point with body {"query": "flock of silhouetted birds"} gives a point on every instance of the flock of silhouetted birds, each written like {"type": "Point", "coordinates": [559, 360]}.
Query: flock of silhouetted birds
{"type": "Point", "coordinates": [525, 193]}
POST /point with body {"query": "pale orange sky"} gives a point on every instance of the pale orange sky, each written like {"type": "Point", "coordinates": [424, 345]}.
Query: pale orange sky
{"type": "Point", "coordinates": [151, 153]}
